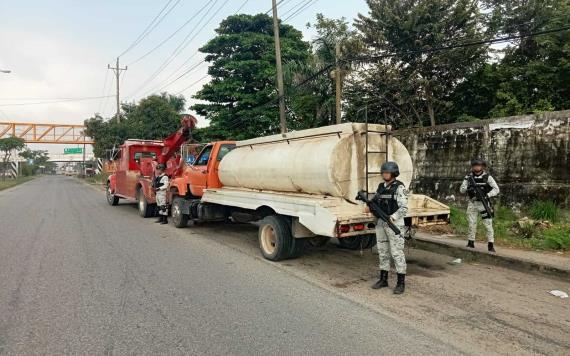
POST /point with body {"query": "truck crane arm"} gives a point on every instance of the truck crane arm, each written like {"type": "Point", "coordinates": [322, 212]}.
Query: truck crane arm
{"type": "Point", "coordinates": [173, 142]}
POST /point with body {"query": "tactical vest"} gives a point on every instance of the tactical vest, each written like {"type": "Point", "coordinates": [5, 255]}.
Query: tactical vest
{"type": "Point", "coordinates": [158, 181]}
{"type": "Point", "coordinates": [482, 182]}
{"type": "Point", "coordinates": [386, 197]}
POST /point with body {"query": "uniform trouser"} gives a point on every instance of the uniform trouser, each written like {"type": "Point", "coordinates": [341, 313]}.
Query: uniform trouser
{"type": "Point", "coordinates": [390, 245]}
{"type": "Point", "coordinates": [161, 202]}
{"type": "Point", "coordinates": [474, 209]}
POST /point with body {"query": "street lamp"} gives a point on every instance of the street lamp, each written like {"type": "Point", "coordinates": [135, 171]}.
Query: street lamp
{"type": "Point", "coordinates": [5, 71]}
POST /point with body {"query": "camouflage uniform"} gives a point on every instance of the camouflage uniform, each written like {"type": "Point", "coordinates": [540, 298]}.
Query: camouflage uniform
{"type": "Point", "coordinates": [390, 244]}
{"type": "Point", "coordinates": [161, 184]}
{"type": "Point", "coordinates": [475, 207]}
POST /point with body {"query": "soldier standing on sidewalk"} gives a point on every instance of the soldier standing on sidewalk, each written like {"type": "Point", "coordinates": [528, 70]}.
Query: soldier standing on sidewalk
{"type": "Point", "coordinates": [488, 187]}
{"type": "Point", "coordinates": [160, 186]}
{"type": "Point", "coordinates": [393, 200]}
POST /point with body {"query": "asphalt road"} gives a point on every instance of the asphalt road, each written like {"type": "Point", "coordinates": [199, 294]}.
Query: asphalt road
{"type": "Point", "coordinates": [80, 277]}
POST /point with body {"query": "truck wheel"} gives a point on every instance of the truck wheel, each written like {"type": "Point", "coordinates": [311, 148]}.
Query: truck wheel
{"type": "Point", "coordinates": [146, 210]}
{"type": "Point", "coordinates": [357, 242]}
{"type": "Point", "coordinates": [180, 220]}
{"type": "Point", "coordinates": [318, 241]}
{"type": "Point", "coordinates": [297, 247]}
{"type": "Point", "coordinates": [275, 238]}
{"type": "Point", "coordinates": [112, 199]}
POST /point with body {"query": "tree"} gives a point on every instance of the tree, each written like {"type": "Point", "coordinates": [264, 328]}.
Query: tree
{"type": "Point", "coordinates": [7, 146]}
{"type": "Point", "coordinates": [534, 73]}
{"type": "Point", "coordinates": [311, 99]}
{"type": "Point", "coordinates": [404, 79]}
{"type": "Point", "coordinates": [35, 158]}
{"type": "Point", "coordinates": [153, 118]}
{"type": "Point", "coordinates": [240, 98]}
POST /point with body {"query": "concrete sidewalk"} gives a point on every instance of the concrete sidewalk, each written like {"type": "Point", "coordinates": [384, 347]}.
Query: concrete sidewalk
{"type": "Point", "coordinates": [549, 263]}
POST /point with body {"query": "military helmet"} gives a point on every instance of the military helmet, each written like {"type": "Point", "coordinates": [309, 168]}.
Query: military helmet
{"type": "Point", "coordinates": [161, 167]}
{"type": "Point", "coordinates": [391, 167]}
{"type": "Point", "coordinates": [478, 161]}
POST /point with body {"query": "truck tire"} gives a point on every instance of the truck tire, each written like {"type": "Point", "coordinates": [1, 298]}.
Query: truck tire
{"type": "Point", "coordinates": [363, 242]}
{"type": "Point", "coordinates": [318, 241]}
{"type": "Point", "coordinates": [146, 210]}
{"type": "Point", "coordinates": [112, 199]}
{"type": "Point", "coordinates": [275, 238]}
{"type": "Point", "coordinates": [179, 219]}
{"type": "Point", "coordinates": [297, 247]}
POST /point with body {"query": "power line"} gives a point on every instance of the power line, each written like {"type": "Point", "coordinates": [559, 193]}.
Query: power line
{"type": "Point", "coordinates": [460, 45]}
{"type": "Point", "coordinates": [295, 7]}
{"type": "Point", "coordinates": [104, 89]}
{"type": "Point", "coordinates": [193, 84]}
{"type": "Point", "coordinates": [149, 28]}
{"type": "Point", "coordinates": [328, 67]}
{"type": "Point", "coordinates": [185, 42]}
{"type": "Point", "coordinates": [300, 10]}
{"type": "Point", "coordinates": [171, 35]}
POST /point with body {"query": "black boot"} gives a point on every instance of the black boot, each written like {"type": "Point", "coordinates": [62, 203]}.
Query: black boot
{"type": "Point", "coordinates": [490, 247]}
{"type": "Point", "coordinates": [382, 282]}
{"type": "Point", "coordinates": [164, 220]}
{"type": "Point", "coordinates": [471, 244]}
{"type": "Point", "coordinates": [159, 220]}
{"type": "Point", "coordinates": [401, 285]}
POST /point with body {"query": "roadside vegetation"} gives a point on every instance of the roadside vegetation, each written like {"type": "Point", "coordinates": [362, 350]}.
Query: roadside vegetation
{"type": "Point", "coordinates": [543, 226]}
{"type": "Point", "coordinates": [8, 183]}
{"type": "Point", "coordinates": [100, 178]}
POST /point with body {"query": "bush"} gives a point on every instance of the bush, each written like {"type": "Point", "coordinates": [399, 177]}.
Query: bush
{"type": "Point", "coordinates": [544, 210]}
{"type": "Point", "coordinates": [557, 238]}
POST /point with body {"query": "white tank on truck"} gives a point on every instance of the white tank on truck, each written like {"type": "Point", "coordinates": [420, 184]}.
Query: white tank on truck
{"type": "Point", "coordinates": [298, 187]}
{"type": "Point", "coordinates": [329, 161]}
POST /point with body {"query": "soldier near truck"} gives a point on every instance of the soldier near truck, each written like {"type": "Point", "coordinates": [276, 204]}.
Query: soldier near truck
{"type": "Point", "coordinates": [479, 186]}
{"type": "Point", "coordinates": [160, 186]}
{"type": "Point", "coordinates": [392, 198]}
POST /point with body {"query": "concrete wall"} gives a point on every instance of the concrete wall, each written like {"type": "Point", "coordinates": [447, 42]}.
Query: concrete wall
{"type": "Point", "coordinates": [528, 156]}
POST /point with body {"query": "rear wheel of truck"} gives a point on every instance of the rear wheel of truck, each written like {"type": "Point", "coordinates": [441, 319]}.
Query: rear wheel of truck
{"type": "Point", "coordinates": [112, 199]}
{"type": "Point", "coordinates": [363, 242]}
{"type": "Point", "coordinates": [146, 210]}
{"type": "Point", "coordinates": [275, 238]}
{"type": "Point", "coordinates": [297, 247]}
{"type": "Point", "coordinates": [179, 219]}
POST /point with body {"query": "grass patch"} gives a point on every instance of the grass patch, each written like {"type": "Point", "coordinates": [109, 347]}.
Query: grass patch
{"type": "Point", "coordinates": [544, 210]}
{"type": "Point", "coordinates": [100, 178]}
{"type": "Point", "coordinates": [8, 183]}
{"type": "Point", "coordinates": [508, 232]}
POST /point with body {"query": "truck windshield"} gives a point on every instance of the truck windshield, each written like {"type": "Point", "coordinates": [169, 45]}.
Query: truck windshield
{"type": "Point", "coordinates": [139, 155]}
{"type": "Point", "coordinates": [204, 156]}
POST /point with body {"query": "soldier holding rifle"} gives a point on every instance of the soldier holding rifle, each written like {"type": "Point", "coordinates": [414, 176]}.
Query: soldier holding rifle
{"type": "Point", "coordinates": [390, 206]}
{"type": "Point", "coordinates": [480, 186]}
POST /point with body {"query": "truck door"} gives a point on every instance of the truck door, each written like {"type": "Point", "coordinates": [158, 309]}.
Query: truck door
{"type": "Point", "coordinates": [121, 173]}
{"type": "Point", "coordinates": [199, 173]}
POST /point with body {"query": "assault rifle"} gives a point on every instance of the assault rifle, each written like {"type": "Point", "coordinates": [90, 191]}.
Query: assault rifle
{"type": "Point", "coordinates": [377, 211]}
{"type": "Point", "coordinates": [482, 197]}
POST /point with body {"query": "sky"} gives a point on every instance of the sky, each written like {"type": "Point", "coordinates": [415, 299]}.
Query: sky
{"type": "Point", "coordinates": [60, 49]}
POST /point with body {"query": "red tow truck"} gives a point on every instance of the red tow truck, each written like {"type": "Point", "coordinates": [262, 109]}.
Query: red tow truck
{"type": "Point", "coordinates": [135, 165]}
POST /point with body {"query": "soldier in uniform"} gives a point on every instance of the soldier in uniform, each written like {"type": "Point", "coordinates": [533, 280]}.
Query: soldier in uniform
{"type": "Point", "coordinates": [160, 186]}
{"type": "Point", "coordinates": [393, 199]}
{"type": "Point", "coordinates": [488, 186]}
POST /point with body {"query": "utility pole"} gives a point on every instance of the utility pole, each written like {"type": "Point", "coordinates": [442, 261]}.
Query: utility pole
{"type": "Point", "coordinates": [117, 70]}
{"type": "Point", "coordinates": [280, 89]}
{"type": "Point", "coordinates": [338, 79]}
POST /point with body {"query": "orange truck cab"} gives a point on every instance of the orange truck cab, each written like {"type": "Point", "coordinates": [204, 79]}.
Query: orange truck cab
{"type": "Point", "coordinates": [187, 188]}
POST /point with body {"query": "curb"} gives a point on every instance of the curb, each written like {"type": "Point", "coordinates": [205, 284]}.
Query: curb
{"type": "Point", "coordinates": [519, 264]}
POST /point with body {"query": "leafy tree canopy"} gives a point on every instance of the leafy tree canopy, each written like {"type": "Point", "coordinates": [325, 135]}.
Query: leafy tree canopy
{"type": "Point", "coordinates": [239, 98]}
{"type": "Point", "coordinates": [154, 117]}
